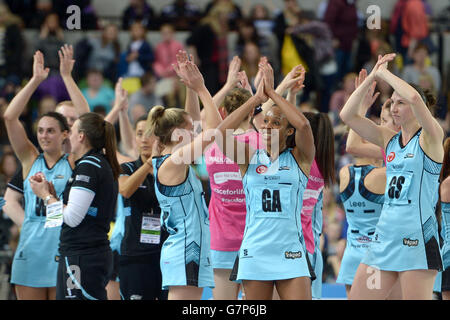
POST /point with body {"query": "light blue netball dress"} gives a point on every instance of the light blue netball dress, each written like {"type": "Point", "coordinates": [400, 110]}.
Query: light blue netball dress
{"type": "Point", "coordinates": [35, 261]}
{"type": "Point", "coordinates": [362, 210]}
{"type": "Point", "coordinates": [406, 236]}
{"type": "Point", "coordinates": [445, 233]}
{"type": "Point", "coordinates": [316, 259]}
{"type": "Point", "coordinates": [185, 255]}
{"type": "Point", "coordinates": [273, 245]}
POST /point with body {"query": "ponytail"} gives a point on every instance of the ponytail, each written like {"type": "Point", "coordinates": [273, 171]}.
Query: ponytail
{"type": "Point", "coordinates": [324, 143]}
{"type": "Point", "coordinates": [161, 122]}
{"type": "Point", "coordinates": [101, 135]}
{"type": "Point", "coordinates": [111, 149]}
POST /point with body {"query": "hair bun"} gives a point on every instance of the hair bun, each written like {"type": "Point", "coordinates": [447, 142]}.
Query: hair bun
{"type": "Point", "coordinates": [155, 113]}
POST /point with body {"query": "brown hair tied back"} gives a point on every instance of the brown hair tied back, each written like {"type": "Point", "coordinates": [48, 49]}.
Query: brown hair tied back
{"type": "Point", "coordinates": [101, 135]}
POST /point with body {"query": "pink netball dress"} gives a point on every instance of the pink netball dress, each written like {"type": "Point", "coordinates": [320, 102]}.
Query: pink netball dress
{"type": "Point", "coordinates": [227, 208]}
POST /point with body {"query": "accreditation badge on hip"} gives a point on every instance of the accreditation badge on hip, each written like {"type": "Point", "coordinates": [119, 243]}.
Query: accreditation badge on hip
{"type": "Point", "coordinates": [150, 230]}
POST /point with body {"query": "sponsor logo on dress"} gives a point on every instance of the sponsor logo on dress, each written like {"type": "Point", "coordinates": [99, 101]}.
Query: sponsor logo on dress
{"type": "Point", "coordinates": [136, 297]}
{"type": "Point", "coordinates": [410, 243]}
{"type": "Point", "coordinates": [284, 168]}
{"type": "Point", "coordinates": [59, 176]}
{"type": "Point", "coordinates": [245, 254]}
{"type": "Point", "coordinates": [261, 169]}
{"type": "Point", "coordinates": [364, 239]}
{"type": "Point", "coordinates": [293, 254]}
{"type": "Point", "coordinates": [409, 155]}
{"type": "Point", "coordinates": [82, 177]}
{"type": "Point", "coordinates": [390, 157]}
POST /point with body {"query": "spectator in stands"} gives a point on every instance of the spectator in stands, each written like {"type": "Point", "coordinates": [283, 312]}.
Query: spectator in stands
{"type": "Point", "coordinates": [12, 44]}
{"type": "Point", "coordinates": [319, 36]}
{"type": "Point", "coordinates": [293, 49]}
{"type": "Point", "coordinates": [165, 55]}
{"type": "Point", "coordinates": [51, 39]}
{"type": "Point", "coordinates": [97, 92]}
{"type": "Point", "coordinates": [266, 45]}
{"type": "Point", "coordinates": [26, 9]}
{"type": "Point", "coordinates": [165, 52]}
{"type": "Point", "coordinates": [38, 11]}
{"type": "Point", "coordinates": [250, 60]}
{"type": "Point", "coordinates": [422, 66]}
{"type": "Point", "coordinates": [101, 53]}
{"type": "Point", "coordinates": [234, 11]}
{"type": "Point", "coordinates": [139, 11]}
{"type": "Point", "coordinates": [138, 57]}
{"type": "Point", "coordinates": [209, 45]}
{"type": "Point", "coordinates": [409, 24]}
{"type": "Point", "coordinates": [262, 19]}
{"type": "Point", "coordinates": [144, 97]}
{"type": "Point", "coordinates": [181, 14]}
{"type": "Point", "coordinates": [341, 17]}
{"type": "Point", "coordinates": [339, 97]}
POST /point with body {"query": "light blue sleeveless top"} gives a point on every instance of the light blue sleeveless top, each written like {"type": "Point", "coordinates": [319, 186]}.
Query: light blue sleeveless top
{"type": "Point", "coordinates": [35, 260]}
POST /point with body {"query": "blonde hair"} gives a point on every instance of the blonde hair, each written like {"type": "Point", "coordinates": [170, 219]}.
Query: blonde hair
{"type": "Point", "coordinates": [68, 103]}
{"type": "Point", "coordinates": [161, 122]}
{"type": "Point", "coordinates": [213, 16]}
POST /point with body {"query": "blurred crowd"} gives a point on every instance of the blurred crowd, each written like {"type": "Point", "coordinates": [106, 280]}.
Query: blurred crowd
{"type": "Point", "coordinates": [333, 44]}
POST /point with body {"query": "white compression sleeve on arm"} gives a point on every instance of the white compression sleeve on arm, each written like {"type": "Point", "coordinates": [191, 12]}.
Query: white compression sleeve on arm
{"type": "Point", "coordinates": [77, 206]}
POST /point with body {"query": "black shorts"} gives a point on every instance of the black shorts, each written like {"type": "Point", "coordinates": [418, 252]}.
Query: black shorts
{"type": "Point", "coordinates": [445, 280]}
{"type": "Point", "coordinates": [87, 278]}
{"type": "Point", "coordinates": [115, 270]}
{"type": "Point", "coordinates": [140, 278]}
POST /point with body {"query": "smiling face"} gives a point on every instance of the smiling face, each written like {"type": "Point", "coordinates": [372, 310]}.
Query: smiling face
{"type": "Point", "coordinates": [49, 135]}
{"type": "Point", "coordinates": [274, 122]}
{"type": "Point", "coordinates": [401, 110]}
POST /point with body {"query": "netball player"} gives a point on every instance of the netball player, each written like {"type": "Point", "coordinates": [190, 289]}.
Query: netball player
{"type": "Point", "coordinates": [444, 191]}
{"type": "Point", "coordinates": [274, 179]}
{"type": "Point", "coordinates": [185, 255]}
{"type": "Point", "coordinates": [362, 188]}
{"type": "Point", "coordinates": [34, 264]}
{"type": "Point", "coordinates": [405, 244]}
{"type": "Point", "coordinates": [89, 198]}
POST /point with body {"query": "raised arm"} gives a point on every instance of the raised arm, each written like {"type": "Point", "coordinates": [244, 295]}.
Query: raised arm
{"type": "Point", "coordinates": [22, 146]}
{"type": "Point", "coordinates": [230, 146]}
{"type": "Point", "coordinates": [303, 136]}
{"type": "Point", "coordinates": [126, 130]}
{"type": "Point", "coordinates": [433, 134]}
{"type": "Point", "coordinates": [192, 105]}
{"type": "Point", "coordinates": [192, 78]}
{"type": "Point", "coordinates": [232, 81]}
{"type": "Point", "coordinates": [295, 77]}
{"type": "Point", "coordinates": [65, 68]}
{"type": "Point", "coordinates": [364, 127]}
{"type": "Point", "coordinates": [355, 144]}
